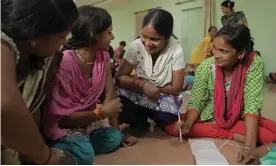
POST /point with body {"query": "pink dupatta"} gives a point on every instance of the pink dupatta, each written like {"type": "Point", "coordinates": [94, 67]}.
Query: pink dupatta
{"type": "Point", "coordinates": [72, 91]}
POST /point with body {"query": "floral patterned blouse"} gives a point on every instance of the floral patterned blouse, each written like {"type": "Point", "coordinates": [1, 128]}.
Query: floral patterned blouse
{"type": "Point", "coordinates": [202, 98]}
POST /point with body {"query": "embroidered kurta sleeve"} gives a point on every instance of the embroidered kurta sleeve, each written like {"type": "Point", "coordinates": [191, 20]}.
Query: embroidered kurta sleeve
{"type": "Point", "coordinates": [178, 60]}
{"type": "Point", "coordinates": [131, 53]}
{"type": "Point", "coordinates": [254, 86]}
{"type": "Point", "coordinates": [200, 87]}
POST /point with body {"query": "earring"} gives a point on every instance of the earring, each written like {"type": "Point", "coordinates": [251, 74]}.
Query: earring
{"type": "Point", "coordinates": [241, 56]}
{"type": "Point", "coordinates": [33, 43]}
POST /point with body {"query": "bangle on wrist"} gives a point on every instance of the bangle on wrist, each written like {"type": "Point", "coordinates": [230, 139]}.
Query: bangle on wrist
{"type": "Point", "coordinates": [267, 147]}
{"type": "Point", "coordinates": [247, 148]}
{"type": "Point", "coordinates": [99, 113]}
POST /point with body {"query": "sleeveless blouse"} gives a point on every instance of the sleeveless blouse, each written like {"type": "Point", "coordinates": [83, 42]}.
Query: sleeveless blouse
{"type": "Point", "coordinates": [34, 87]}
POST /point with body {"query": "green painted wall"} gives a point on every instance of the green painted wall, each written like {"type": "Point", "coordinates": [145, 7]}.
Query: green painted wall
{"type": "Point", "coordinates": [261, 15]}
{"type": "Point", "coordinates": [124, 17]}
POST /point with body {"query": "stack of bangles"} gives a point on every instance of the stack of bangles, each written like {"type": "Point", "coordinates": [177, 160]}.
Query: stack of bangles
{"type": "Point", "coordinates": [99, 113]}
{"type": "Point", "coordinates": [141, 83]}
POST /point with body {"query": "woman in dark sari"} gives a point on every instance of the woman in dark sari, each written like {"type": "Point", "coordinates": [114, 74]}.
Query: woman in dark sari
{"type": "Point", "coordinates": [31, 32]}
{"type": "Point", "coordinates": [230, 16]}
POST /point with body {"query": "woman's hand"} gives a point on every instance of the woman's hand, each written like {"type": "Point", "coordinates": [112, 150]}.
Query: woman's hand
{"type": "Point", "coordinates": [110, 107]}
{"type": "Point", "coordinates": [150, 91]}
{"type": "Point", "coordinates": [182, 126]}
{"type": "Point", "coordinates": [244, 153]}
{"type": "Point", "coordinates": [251, 160]}
{"type": "Point", "coordinates": [246, 157]}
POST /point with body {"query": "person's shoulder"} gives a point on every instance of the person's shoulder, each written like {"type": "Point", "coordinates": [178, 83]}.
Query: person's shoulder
{"type": "Point", "coordinates": [136, 42]}
{"type": "Point", "coordinates": [136, 45]}
{"type": "Point", "coordinates": [177, 47]}
{"type": "Point", "coordinates": [7, 41]}
{"type": "Point", "coordinates": [67, 60]}
{"type": "Point", "coordinates": [207, 39]}
{"type": "Point", "coordinates": [207, 64]}
{"type": "Point", "coordinates": [257, 60]}
{"type": "Point", "coordinates": [240, 13]}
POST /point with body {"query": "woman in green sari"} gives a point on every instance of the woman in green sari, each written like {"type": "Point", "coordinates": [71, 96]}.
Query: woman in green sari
{"type": "Point", "coordinates": [230, 16]}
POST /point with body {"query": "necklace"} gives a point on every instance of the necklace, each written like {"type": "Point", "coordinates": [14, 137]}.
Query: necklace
{"type": "Point", "coordinates": [89, 63]}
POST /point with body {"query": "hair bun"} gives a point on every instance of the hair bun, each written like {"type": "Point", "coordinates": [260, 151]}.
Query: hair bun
{"type": "Point", "coordinates": [228, 3]}
{"type": "Point", "coordinates": [232, 3]}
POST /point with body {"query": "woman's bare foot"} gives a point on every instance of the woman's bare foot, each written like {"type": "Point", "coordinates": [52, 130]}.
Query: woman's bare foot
{"type": "Point", "coordinates": [129, 140]}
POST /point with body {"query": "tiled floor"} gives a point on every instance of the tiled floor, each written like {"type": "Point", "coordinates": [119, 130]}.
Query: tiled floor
{"type": "Point", "coordinates": [159, 148]}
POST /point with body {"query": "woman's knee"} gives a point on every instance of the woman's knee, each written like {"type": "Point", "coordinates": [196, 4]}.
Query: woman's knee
{"type": "Point", "coordinates": [114, 141]}
{"type": "Point", "coordinates": [209, 130]}
{"type": "Point", "coordinates": [106, 140]}
{"type": "Point", "coordinates": [84, 158]}
{"type": "Point", "coordinates": [265, 136]}
{"type": "Point", "coordinates": [79, 147]}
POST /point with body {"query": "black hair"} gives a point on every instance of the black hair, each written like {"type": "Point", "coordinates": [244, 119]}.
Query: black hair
{"type": "Point", "coordinates": [161, 20]}
{"type": "Point", "coordinates": [111, 51]}
{"type": "Point", "coordinates": [92, 21]}
{"type": "Point", "coordinates": [228, 4]}
{"type": "Point", "coordinates": [258, 53]}
{"type": "Point", "coordinates": [29, 19]}
{"type": "Point", "coordinates": [122, 43]}
{"type": "Point", "coordinates": [212, 27]}
{"type": "Point", "coordinates": [238, 36]}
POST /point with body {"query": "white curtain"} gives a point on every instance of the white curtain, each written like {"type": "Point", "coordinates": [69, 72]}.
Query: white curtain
{"type": "Point", "coordinates": [208, 15]}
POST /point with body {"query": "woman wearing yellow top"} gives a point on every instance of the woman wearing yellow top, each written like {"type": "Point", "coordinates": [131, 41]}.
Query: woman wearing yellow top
{"type": "Point", "coordinates": [201, 52]}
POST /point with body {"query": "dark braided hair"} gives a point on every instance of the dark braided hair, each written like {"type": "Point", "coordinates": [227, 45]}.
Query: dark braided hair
{"type": "Point", "coordinates": [238, 36]}
{"type": "Point", "coordinates": [228, 4]}
{"type": "Point", "coordinates": [161, 20]}
{"type": "Point", "coordinates": [92, 21]}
